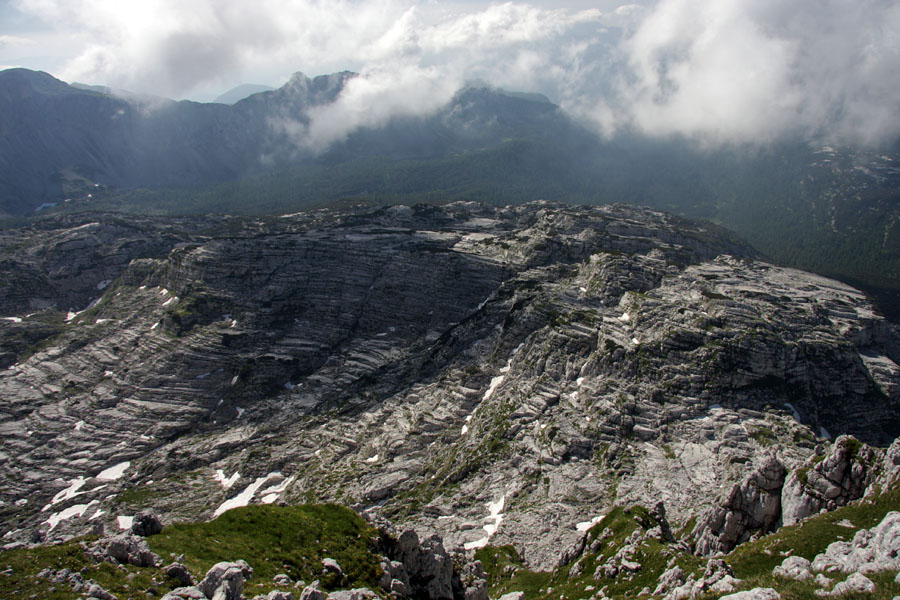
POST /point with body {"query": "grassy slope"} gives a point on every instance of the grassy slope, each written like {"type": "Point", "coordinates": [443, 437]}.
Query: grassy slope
{"type": "Point", "coordinates": [294, 540]}
{"type": "Point", "coordinates": [272, 539]}
{"type": "Point", "coordinates": [753, 562]}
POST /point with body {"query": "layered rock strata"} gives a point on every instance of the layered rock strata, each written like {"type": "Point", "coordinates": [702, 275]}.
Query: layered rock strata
{"type": "Point", "coordinates": [495, 375]}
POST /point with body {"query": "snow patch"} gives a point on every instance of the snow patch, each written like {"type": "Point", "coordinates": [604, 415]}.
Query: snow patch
{"type": "Point", "coordinates": [495, 383]}
{"type": "Point", "coordinates": [234, 379]}
{"type": "Point", "coordinates": [372, 459]}
{"type": "Point", "coordinates": [125, 522]}
{"type": "Point", "coordinates": [73, 511]}
{"type": "Point", "coordinates": [68, 493]}
{"type": "Point", "coordinates": [170, 301]}
{"type": "Point", "coordinates": [496, 515]}
{"type": "Point", "coordinates": [226, 482]}
{"type": "Point", "coordinates": [465, 430]}
{"type": "Point", "coordinates": [244, 498]}
{"type": "Point", "coordinates": [13, 319]}
{"type": "Point", "coordinates": [271, 494]}
{"type": "Point", "coordinates": [79, 425]}
{"type": "Point", "coordinates": [114, 472]}
{"type": "Point", "coordinates": [585, 525]}
{"type": "Point", "coordinates": [625, 317]}
{"type": "Point", "coordinates": [155, 325]}
{"type": "Point", "coordinates": [104, 284]}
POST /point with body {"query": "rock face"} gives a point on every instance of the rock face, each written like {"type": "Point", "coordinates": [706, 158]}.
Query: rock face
{"type": "Point", "coordinates": [752, 507]}
{"type": "Point", "coordinates": [827, 482]}
{"type": "Point", "coordinates": [494, 375]}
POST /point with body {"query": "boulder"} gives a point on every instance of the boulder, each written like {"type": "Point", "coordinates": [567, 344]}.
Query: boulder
{"type": "Point", "coordinates": [754, 594]}
{"type": "Point", "coordinates": [312, 592]}
{"type": "Point", "coordinates": [224, 580]}
{"type": "Point", "coordinates": [793, 567]}
{"type": "Point", "coordinates": [276, 595]}
{"type": "Point", "coordinates": [94, 590]}
{"type": "Point", "coordinates": [185, 593]}
{"type": "Point", "coordinates": [178, 572]}
{"type": "Point", "coordinates": [354, 594]}
{"type": "Point", "coordinates": [890, 466]}
{"type": "Point", "coordinates": [669, 580]}
{"type": "Point", "coordinates": [871, 550]}
{"type": "Point", "coordinates": [146, 524]}
{"type": "Point", "coordinates": [429, 567]}
{"type": "Point", "coordinates": [126, 549]}
{"type": "Point", "coordinates": [857, 582]}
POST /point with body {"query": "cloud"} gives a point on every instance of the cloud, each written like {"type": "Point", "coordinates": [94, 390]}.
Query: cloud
{"type": "Point", "coordinates": [13, 41]}
{"type": "Point", "coordinates": [724, 71]}
{"type": "Point", "coordinates": [374, 98]}
{"type": "Point", "coordinates": [760, 69]}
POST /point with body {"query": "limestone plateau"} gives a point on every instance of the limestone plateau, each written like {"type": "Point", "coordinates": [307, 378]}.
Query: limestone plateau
{"type": "Point", "coordinates": [493, 375]}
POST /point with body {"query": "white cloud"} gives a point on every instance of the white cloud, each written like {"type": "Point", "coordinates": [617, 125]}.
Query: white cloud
{"type": "Point", "coordinates": [756, 69]}
{"type": "Point", "coordinates": [13, 41]}
{"type": "Point", "coordinates": [725, 70]}
{"type": "Point", "coordinates": [374, 98]}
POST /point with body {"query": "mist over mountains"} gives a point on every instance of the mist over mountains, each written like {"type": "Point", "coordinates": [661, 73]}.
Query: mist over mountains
{"type": "Point", "coordinates": [525, 281]}
{"type": "Point", "coordinates": [833, 209]}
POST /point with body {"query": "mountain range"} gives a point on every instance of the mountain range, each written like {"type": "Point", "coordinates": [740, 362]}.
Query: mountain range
{"type": "Point", "coordinates": [483, 352]}
{"type": "Point", "coordinates": [828, 208]}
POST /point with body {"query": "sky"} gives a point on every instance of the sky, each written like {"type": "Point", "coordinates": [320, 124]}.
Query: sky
{"type": "Point", "coordinates": [717, 71]}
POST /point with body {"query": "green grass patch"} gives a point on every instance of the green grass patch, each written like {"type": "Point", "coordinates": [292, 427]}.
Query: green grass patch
{"type": "Point", "coordinates": [507, 573]}
{"type": "Point", "coordinates": [276, 539]}
{"type": "Point", "coordinates": [125, 582]}
{"type": "Point", "coordinates": [272, 539]}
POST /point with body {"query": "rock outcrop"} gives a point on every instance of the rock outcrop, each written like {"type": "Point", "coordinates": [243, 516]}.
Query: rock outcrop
{"type": "Point", "coordinates": [492, 375]}
{"type": "Point", "coordinates": [125, 549]}
{"type": "Point", "coordinates": [753, 507]}
{"type": "Point", "coordinates": [871, 550]}
{"type": "Point", "coordinates": [827, 482]}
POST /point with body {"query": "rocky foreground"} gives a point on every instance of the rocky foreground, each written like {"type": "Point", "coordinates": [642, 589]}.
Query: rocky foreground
{"type": "Point", "coordinates": [493, 375]}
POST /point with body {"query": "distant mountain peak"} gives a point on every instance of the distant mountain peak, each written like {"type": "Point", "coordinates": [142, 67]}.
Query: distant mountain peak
{"type": "Point", "coordinates": [37, 81]}
{"type": "Point", "coordinates": [238, 93]}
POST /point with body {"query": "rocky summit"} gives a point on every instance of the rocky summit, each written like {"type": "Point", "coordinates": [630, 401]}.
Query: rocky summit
{"type": "Point", "coordinates": [493, 375]}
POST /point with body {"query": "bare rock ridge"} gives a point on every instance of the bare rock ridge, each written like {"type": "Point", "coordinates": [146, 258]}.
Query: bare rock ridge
{"type": "Point", "coordinates": [493, 375]}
